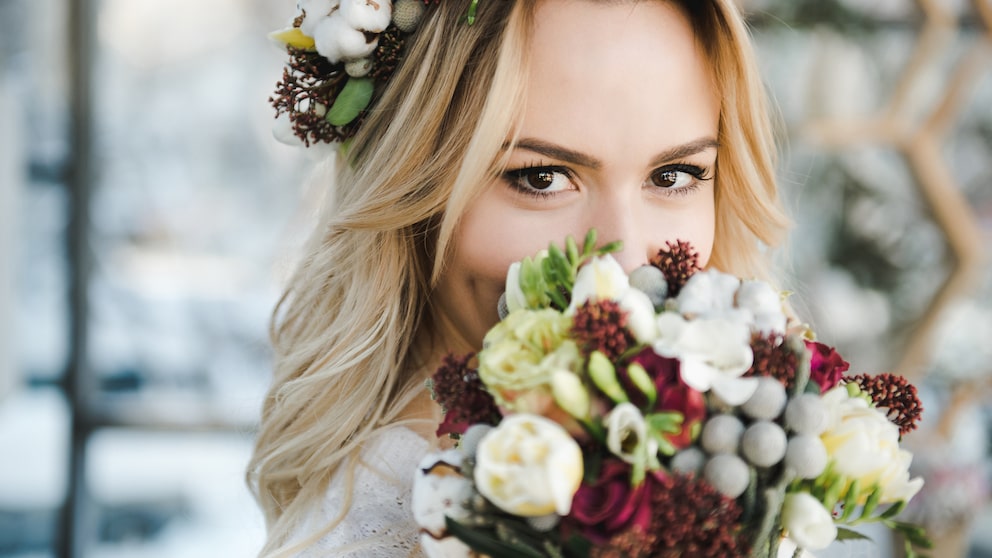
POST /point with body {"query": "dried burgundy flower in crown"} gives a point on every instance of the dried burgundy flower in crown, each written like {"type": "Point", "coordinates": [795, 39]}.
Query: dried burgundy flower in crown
{"type": "Point", "coordinates": [678, 263]}
{"type": "Point", "coordinates": [894, 393]}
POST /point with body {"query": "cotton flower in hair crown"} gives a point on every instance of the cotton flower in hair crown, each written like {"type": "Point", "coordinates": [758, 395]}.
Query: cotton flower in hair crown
{"type": "Point", "coordinates": [671, 411]}
{"type": "Point", "coordinates": [342, 54]}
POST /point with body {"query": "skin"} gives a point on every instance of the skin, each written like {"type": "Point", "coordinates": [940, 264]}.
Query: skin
{"type": "Point", "coordinates": [619, 95]}
{"type": "Point", "coordinates": [621, 113]}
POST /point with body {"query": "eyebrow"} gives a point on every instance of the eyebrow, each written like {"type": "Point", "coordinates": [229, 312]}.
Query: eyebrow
{"type": "Point", "coordinates": [560, 153]}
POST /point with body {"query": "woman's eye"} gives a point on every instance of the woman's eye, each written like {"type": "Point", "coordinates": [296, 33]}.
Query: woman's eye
{"type": "Point", "coordinates": [677, 177]}
{"type": "Point", "coordinates": [539, 179]}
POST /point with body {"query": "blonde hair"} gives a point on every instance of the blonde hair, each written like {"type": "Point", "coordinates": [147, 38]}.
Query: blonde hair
{"type": "Point", "coordinates": [348, 330]}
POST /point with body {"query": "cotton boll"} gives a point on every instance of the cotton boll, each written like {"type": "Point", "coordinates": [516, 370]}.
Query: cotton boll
{"type": "Point", "coordinates": [367, 15]}
{"type": "Point", "coordinates": [443, 548]}
{"type": "Point", "coordinates": [316, 11]}
{"type": "Point", "coordinates": [440, 491]}
{"type": "Point", "coordinates": [336, 40]}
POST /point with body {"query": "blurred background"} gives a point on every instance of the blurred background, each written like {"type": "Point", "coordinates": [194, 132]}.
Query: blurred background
{"type": "Point", "coordinates": [147, 219]}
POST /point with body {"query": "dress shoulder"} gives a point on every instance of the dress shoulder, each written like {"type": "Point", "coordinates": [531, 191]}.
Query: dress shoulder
{"type": "Point", "coordinates": [379, 522]}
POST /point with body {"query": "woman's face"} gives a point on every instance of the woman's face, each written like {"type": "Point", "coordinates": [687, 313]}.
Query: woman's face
{"type": "Point", "coordinates": [618, 134]}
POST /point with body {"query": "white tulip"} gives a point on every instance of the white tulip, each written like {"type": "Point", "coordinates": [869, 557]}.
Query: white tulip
{"type": "Point", "coordinates": [529, 466]}
{"type": "Point", "coordinates": [627, 434]}
{"type": "Point", "coordinates": [640, 315]}
{"type": "Point", "coordinates": [515, 298]}
{"type": "Point", "coordinates": [602, 278]}
{"type": "Point", "coordinates": [807, 522]}
{"type": "Point", "coordinates": [714, 353]}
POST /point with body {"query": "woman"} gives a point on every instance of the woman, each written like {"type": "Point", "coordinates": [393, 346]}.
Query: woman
{"type": "Point", "coordinates": [542, 119]}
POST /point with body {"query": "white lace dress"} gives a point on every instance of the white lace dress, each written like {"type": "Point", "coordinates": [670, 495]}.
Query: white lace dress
{"type": "Point", "coordinates": [380, 521]}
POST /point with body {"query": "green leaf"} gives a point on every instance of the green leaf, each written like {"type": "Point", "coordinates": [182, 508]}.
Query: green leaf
{"type": "Point", "coordinates": [850, 500]}
{"type": "Point", "coordinates": [894, 510]}
{"type": "Point", "coordinates": [572, 249]}
{"type": "Point", "coordinates": [872, 502]}
{"type": "Point", "coordinates": [611, 247]}
{"type": "Point", "coordinates": [354, 97]}
{"type": "Point", "coordinates": [845, 534]}
{"type": "Point", "coordinates": [590, 242]}
{"type": "Point", "coordinates": [487, 542]}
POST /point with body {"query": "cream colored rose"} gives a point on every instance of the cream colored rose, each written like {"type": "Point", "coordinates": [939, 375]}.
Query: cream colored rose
{"type": "Point", "coordinates": [522, 352]}
{"type": "Point", "coordinates": [864, 445]}
{"type": "Point", "coordinates": [529, 466]}
{"type": "Point", "coordinates": [807, 522]}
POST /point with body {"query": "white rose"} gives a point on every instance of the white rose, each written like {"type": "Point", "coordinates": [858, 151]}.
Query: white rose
{"type": "Point", "coordinates": [627, 434]}
{"type": "Point", "coordinates": [440, 490]}
{"type": "Point", "coordinates": [807, 522]}
{"type": "Point", "coordinates": [529, 466]}
{"type": "Point", "coordinates": [764, 305]}
{"type": "Point", "coordinates": [864, 445]}
{"type": "Point", "coordinates": [708, 293]}
{"type": "Point", "coordinates": [601, 278]}
{"type": "Point", "coordinates": [367, 15]}
{"type": "Point", "coordinates": [714, 354]}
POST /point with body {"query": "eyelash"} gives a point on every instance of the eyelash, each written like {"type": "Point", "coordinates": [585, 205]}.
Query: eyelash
{"type": "Point", "coordinates": [514, 178]}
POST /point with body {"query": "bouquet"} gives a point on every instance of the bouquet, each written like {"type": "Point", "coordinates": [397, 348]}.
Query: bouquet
{"type": "Point", "coordinates": [671, 412]}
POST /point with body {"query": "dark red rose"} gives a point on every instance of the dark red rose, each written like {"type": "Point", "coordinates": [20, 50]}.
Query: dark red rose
{"type": "Point", "coordinates": [610, 505]}
{"type": "Point", "coordinates": [826, 367]}
{"type": "Point", "coordinates": [673, 394]}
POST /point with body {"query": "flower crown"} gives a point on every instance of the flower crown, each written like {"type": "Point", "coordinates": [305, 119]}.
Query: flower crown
{"type": "Point", "coordinates": [342, 54]}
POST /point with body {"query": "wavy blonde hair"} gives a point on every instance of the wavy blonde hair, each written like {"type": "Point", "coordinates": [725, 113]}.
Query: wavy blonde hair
{"type": "Point", "coordinates": [348, 330]}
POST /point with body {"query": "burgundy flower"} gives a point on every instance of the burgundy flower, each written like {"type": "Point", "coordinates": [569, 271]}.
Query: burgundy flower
{"type": "Point", "coordinates": [673, 394]}
{"type": "Point", "coordinates": [610, 505]}
{"type": "Point", "coordinates": [462, 395]}
{"type": "Point", "coordinates": [826, 367]}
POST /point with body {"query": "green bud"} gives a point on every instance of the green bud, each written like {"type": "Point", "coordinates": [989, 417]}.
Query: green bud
{"type": "Point", "coordinates": [604, 375]}
{"type": "Point", "coordinates": [570, 394]}
{"type": "Point", "coordinates": [639, 376]}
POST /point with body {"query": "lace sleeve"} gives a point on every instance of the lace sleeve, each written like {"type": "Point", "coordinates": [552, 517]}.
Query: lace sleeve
{"type": "Point", "coordinates": [379, 522]}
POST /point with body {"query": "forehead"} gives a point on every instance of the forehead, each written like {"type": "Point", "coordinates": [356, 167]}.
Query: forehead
{"type": "Point", "coordinates": [613, 74]}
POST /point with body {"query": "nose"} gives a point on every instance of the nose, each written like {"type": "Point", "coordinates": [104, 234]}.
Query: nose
{"type": "Point", "coordinates": [624, 219]}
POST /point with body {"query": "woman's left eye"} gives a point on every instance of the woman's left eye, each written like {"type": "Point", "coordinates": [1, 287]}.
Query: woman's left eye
{"type": "Point", "coordinates": [677, 177]}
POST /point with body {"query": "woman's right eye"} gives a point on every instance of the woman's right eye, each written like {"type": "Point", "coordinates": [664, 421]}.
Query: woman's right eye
{"type": "Point", "coordinates": [539, 181]}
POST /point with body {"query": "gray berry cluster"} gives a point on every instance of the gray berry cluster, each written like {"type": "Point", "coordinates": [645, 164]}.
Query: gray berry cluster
{"type": "Point", "coordinates": [765, 431]}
